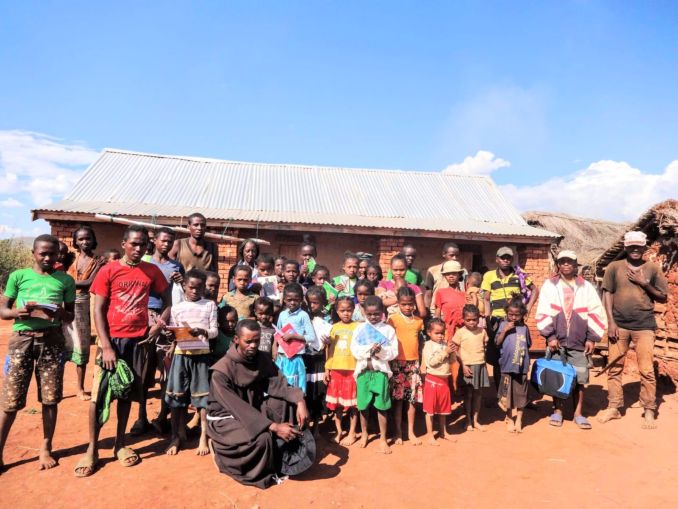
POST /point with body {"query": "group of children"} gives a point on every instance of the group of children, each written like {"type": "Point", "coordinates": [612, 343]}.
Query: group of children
{"type": "Point", "coordinates": [354, 343]}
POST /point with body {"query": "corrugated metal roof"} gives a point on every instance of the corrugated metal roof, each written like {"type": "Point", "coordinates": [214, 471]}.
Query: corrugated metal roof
{"type": "Point", "coordinates": [138, 184]}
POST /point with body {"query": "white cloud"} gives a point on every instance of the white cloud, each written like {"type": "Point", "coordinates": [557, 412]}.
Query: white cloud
{"type": "Point", "coordinates": [41, 165]}
{"type": "Point", "coordinates": [483, 163]}
{"type": "Point", "coordinates": [504, 118]}
{"type": "Point", "coordinates": [612, 190]}
{"type": "Point", "coordinates": [9, 231]}
{"type": "Point", "coordinates": [11, 202]}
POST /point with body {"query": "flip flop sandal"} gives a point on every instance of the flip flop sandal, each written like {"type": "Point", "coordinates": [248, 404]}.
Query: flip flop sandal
{"type": "Point", "coordinates": [582, 422]}
{"type": "Point", "coordinates": [125, 454]}
{"type": "Point", "coordinates": [85, 467]}
{"type": "Point", "coordinates": [556, 420]}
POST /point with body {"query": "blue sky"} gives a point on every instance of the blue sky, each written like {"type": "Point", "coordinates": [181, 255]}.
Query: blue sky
{"type": "Point", "coordinates": [573, 105]}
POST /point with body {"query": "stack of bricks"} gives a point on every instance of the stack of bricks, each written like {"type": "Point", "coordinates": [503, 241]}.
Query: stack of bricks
{"type": "Point", "coordinates": [63, 230]}
{"type": "Point", "coordinates": [228, 255]}
{"type": "Point", "coordinates": [388, 247]}
{"type": "Point", "coordinates": [536, 261]}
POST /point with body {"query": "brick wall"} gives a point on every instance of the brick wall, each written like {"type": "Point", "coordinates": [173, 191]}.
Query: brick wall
{"type": "Point", "coordinates": [536, 261]}
{"type": "Point", "coordinates": [387, 248]}
{"type": "Point", "coordinates": [228, 255]}
{"type": "Point", "coordinates": [63, 230]}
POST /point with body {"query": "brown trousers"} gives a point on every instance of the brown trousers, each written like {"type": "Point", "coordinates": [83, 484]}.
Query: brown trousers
{"type": "Point", "coordinates": [644, 345]}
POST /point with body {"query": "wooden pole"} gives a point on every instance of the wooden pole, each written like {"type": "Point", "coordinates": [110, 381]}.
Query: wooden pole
{"type": "Point", "coordinates": [180, 229]}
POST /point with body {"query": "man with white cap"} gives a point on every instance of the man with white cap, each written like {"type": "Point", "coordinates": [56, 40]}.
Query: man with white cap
{"type": "Point", "coordinates": [570, 316]}
{"type": "Point", "coordinates": [630, 288]}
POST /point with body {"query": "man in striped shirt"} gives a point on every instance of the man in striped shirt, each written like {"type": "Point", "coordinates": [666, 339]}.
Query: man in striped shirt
{"type": "Point", "coordinates": [499, 286]}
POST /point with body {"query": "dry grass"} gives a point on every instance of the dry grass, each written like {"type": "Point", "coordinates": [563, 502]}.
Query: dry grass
{"type": "Point", "coordinates": [589, 238]}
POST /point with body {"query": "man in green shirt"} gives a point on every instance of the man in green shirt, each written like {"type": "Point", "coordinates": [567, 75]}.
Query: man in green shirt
{"type": "Point", "coordinates": [44, 298]}
{"type": "Point", "coordinates": [412, 275]}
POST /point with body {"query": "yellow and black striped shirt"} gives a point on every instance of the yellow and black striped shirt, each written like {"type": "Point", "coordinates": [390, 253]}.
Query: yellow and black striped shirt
{"type": "Point", "coordinates": [501, 289]}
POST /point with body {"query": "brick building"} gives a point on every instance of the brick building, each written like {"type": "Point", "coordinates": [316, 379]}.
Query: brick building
{"type": "Point", "coordinates": [340, 209]}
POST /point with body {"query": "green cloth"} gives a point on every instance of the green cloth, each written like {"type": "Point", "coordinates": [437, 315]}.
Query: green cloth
{"type": "Point", "coordinates": [113, 385]}
{"type": "Point", "coordinates": [26, 285]}
{"type": "Point", "coordinates": [372, 389]}
{"type": "Point", "coordinates": [412, 276]}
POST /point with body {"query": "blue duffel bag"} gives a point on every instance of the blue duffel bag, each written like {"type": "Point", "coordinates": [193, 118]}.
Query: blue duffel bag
{"type": "Point", "coordinates": [554, 378]}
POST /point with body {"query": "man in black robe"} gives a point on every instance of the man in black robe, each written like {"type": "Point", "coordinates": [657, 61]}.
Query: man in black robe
{"type": "Point", "coordinates": [250, 404]}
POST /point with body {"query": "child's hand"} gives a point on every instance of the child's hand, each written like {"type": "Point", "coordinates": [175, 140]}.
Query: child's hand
{"type": "Point", "coordinates": [22, 313]}
{"type": "Point", "coordinates": [450, 348]}
{"type": "Point", "coordinates": [467, 372]}
{"type": "Point", "coordinates": [332, 299]}
{"type": "Point", "coordinates": [375, 349]}
{"type": "Point", "coordinates": [339, 287]}
{"type": "Point", "coordinates": [196, 332]}
{"type": "Point", "coordinates": [325, 339]}
{"type": "Point", "coordinates": [176, 277]}
{"type": "Point", "coordinates": [510, 325]}
{"type": "Point", "coordinates": [327, 377]}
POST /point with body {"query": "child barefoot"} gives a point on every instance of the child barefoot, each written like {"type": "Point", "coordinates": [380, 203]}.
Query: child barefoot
{"type": "Point", "coordinates": [513, 337]}
{"type": "Point", "coordinates": [339, 368]}
{"type": "Point", "coordinates": [314, 356]}
{"type": "Point", "coordinates": [406, 386]}
{"type": "Point", "coordinates": [188, 377]}
{"type": "Point", "coordinates": [293, 368]}
{"type": "Point", "coordinates": [374, 344]}
{"type": "Point", "coordinates": [436, 359]}
{"type": "Point", "coordinates": [471, 341]}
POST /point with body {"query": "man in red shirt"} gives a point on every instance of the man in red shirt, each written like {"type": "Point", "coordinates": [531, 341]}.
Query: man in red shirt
{"type": "Point", "coordinates": [121, 290]}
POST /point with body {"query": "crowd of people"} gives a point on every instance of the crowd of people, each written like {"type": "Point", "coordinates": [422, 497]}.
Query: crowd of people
{"type": "Point", "coordinates": [289, 346]}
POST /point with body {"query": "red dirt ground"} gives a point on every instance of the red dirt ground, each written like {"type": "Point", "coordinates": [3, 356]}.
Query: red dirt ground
{"type": "Point", "coordinates": [617, 465]}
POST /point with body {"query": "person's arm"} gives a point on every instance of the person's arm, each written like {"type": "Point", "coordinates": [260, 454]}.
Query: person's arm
{"type": "Point", "coordinates": [612, 329]}
{"type": "Point", "coordinates": [174, 252]}
{"type": "Point", "coordinates": [7, 313]}
{"type": "Point", "coordinates": [501, 333]}
{"type": "Point", "coordinates": [213, 328]}
{"type": "Point", "coordinates": [638, 277]}
{"type": "Point", "coordinates": [436, 358]}
{"type": "Point", "coordinates": [487, 305]}
{"type": "Point", "coordinates": [533, 297]}
{"type": "Point", "coordinates": [421, 306]}
{"type": "Point", "coordinates": [86, 283]}
{"type": "Point", "coordinates": [109, 357]}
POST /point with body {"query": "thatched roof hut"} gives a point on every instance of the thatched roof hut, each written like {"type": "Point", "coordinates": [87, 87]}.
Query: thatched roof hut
{"type": "Point", "coordinates": [587, 237]}
{"type": "Point", "coordinates": [660, 224]}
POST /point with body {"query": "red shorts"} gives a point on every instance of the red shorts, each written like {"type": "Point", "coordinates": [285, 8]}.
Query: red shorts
{"type": "Point", "coordinates": [341, 391]}
{"type": "Point", "coordinates": [437, 395]}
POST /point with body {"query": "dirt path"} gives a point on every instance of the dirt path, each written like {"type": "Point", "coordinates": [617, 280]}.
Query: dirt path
{"type": "Point", "coordinates": [613, 466]}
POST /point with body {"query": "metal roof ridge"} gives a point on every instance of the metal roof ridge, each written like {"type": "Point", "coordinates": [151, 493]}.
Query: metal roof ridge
{"type": "Point", "coordinates": [441, 173]}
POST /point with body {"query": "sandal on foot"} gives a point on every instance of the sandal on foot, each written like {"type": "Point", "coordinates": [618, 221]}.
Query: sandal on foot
{"type": "Point", "coordinates": [127, 457]}
{"type": "Point", "coordinates": [556, 420]}
{"type": "Point", "coordinates": [85, 467]}
{"type": "Point", "coordinates": [582, 422]}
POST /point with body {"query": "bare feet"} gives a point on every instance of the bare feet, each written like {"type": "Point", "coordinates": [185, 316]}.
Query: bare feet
{"type": "Point", "coordinates": [349, 440]}
{"type": "Point", "coordinates": [649, 421]}
{"type": "Point", "coordinates": [519, 425]}
{"type": "Point", "coordinates": [363, 441]}
{"type": "Point", "coordinates": [46, 459]}
{"type": "Point", "coordinates": [398, 441]}
{"type": "Point", "coordinates": [510, 426]}
{"type": "Point", "coordinates": [478, 426]}
{"type": "Point", "coordinates": [414, 440]}
{"type": "Point", "coordinates": [447, 438]}
{"type": "Point", "coordinates": [432, 441]}
{"type": "Point", "coordinates": [469, 427]}
{"type": "Point", "coordinates": [83, 396]}
{"type": "Point", "coordinates": [384, 448]}
{"type": "Point", "coordinates": [609, 414]}
{"type": "Point", "coordinates": [174, 448]}
{"type": "Point", "coordinates": [203, 448]}
{"type": "Point", "coordinates": [337, 439]}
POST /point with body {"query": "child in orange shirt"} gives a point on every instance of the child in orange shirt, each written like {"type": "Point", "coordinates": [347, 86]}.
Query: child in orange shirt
{"type": "Point", "coordinates": [406, 380]}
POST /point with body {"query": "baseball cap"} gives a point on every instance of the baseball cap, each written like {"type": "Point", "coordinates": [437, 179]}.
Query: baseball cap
{"type": "Point", "coordinates": [635, 239]}
{"type": "Point", "coordinates": [451, 266]}
{"type": "Point", "coordinates": [566, 253]}
{"type": "Point", "coordinates": [503, 251]}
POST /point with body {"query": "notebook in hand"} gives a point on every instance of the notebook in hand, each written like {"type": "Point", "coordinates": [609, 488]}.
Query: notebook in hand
{"type": "Point", "coordinates": [289, 348]}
